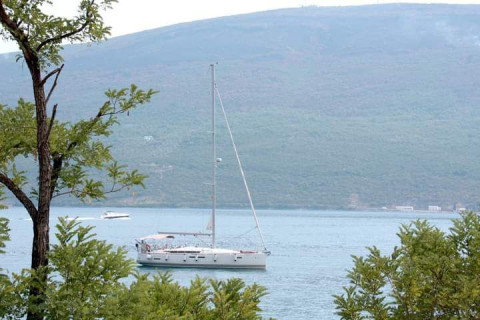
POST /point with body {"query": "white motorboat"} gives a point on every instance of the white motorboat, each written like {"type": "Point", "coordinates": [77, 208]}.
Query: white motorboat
{"type": "Point", "coordinates": [155, 250]}
{"type": "Point", "coordinates": [114, 215]}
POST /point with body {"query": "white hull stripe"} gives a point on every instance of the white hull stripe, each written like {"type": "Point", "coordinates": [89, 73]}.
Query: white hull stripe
{"type": "Point", "coordinates": [198, 265]}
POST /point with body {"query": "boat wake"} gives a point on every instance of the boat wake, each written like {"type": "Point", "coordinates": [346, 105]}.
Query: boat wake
{"type": "Point", "coordinates": [83, 218]}
{"type": "Point", "coordinates": [123, 218]}
{"type": "Point", "coordinates": [69, 219]}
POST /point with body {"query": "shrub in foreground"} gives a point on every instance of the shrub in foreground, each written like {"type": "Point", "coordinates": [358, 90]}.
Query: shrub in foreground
{"type": "Point", "coordinates": [86, 281]}
{"type": "Point", "coordinates": [431, 275]}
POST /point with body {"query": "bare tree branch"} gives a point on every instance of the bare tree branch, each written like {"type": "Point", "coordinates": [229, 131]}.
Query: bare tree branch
{"type": "Point", "coordinates": [52, 119]}
{"type": "Point", "coordinates": [19, 194]}
{"type": "Point", "coordinates": [57, 168]}
{"type": "Point", "coordinates": [51, 74]}
{"type": "Point", "coordinates": [54, 83]}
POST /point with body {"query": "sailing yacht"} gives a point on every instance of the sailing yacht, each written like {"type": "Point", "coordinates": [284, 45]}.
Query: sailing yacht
{"type": "Point", "coordinates": [152, 254]}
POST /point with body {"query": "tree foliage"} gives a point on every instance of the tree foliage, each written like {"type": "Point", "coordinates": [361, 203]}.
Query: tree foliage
{"type": "Point", "coordinates": [69, 150]}
{"type": "Point", "coordinates": [431, 275]}
{"type": "Point", "coordinates": [86, 280]}
{"type": "Point", "coordinates": [45, 33]}
{"type": "Point", "coordinates": [65, 153]}
{"type": "Point", "coordinates": [12, 304]}
{"type": "Point", "coordinates": [161, 298]}
{"type": "Point", "coordinates": [77, 150]}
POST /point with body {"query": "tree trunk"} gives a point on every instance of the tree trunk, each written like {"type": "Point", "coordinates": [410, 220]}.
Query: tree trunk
{"type": "Point", "coordinates": [41, 238]}
{"type": "Point", "coordinates": [40, 248]}
{"type": "Point", "coordinates": [40, 241]}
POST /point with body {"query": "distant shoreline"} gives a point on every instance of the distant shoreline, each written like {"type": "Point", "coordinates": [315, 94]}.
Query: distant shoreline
{"type": "Point", "coordinates": [389, 210]}
{"type": "Point", "coordinates": [413, 211]}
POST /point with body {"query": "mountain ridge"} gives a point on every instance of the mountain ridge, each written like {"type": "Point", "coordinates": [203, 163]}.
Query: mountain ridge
{"type": "Point", "coordinates": [331, 107]}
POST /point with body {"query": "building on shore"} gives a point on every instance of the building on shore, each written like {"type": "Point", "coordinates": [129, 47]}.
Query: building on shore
{"type": "Point", "coordinates": [404, 208]}
{"type": "Point", "coordinates": [434, 208]}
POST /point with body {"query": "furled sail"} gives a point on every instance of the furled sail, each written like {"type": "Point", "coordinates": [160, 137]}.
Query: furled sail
{"type": "Point", "coordinates": [210, 223]}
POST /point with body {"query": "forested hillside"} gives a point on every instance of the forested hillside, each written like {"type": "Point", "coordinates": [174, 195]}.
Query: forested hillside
{"type": "Point", "coordinates": [340, 107]}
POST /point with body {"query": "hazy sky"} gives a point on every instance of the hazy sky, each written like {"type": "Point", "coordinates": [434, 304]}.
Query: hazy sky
{"type": "Point", "coordinates": [136, 15]}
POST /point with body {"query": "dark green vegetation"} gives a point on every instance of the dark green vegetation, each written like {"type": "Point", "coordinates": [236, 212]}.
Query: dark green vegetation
{"type": "Point", "coordinates": [431, 275]}
{"type": "Point", "coordinates": [87, 281]}
{"type": "Point", "coordinates": [375, 104]}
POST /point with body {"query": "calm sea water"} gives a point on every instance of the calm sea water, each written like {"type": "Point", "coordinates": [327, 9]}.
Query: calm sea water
{"type": "Point", "coordinates": [311, 250]}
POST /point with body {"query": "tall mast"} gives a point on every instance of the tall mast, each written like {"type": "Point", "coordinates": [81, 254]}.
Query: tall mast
{"type": "Point", "coordinates": [214, 185]}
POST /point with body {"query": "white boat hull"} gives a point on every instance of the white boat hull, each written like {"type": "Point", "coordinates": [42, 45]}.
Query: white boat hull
{"type": "Point", "coordinates": [108, 215]}
{"type": "Point", "coordinates": [240, 260]}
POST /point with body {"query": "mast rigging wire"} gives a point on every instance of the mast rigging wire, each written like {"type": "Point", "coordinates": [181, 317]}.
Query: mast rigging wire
{"type": "Point", "coordinates": [241, 168]}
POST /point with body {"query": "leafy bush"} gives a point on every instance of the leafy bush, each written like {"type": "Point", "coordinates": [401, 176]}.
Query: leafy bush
{"type": "Point", "coordinates": [86, 280]}
{"type": "Point", "coordinates": [161, 298]}
{"type": "Point", "coordinates": [431, 275]}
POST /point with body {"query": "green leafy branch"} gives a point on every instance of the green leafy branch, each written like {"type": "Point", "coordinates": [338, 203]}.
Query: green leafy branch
{"type": "Point", "coordinates": [431, 275]}
{"type": "Point", "coordinates": [42, 34]}
{"type": "Point", "coordinates": [74, 155]}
